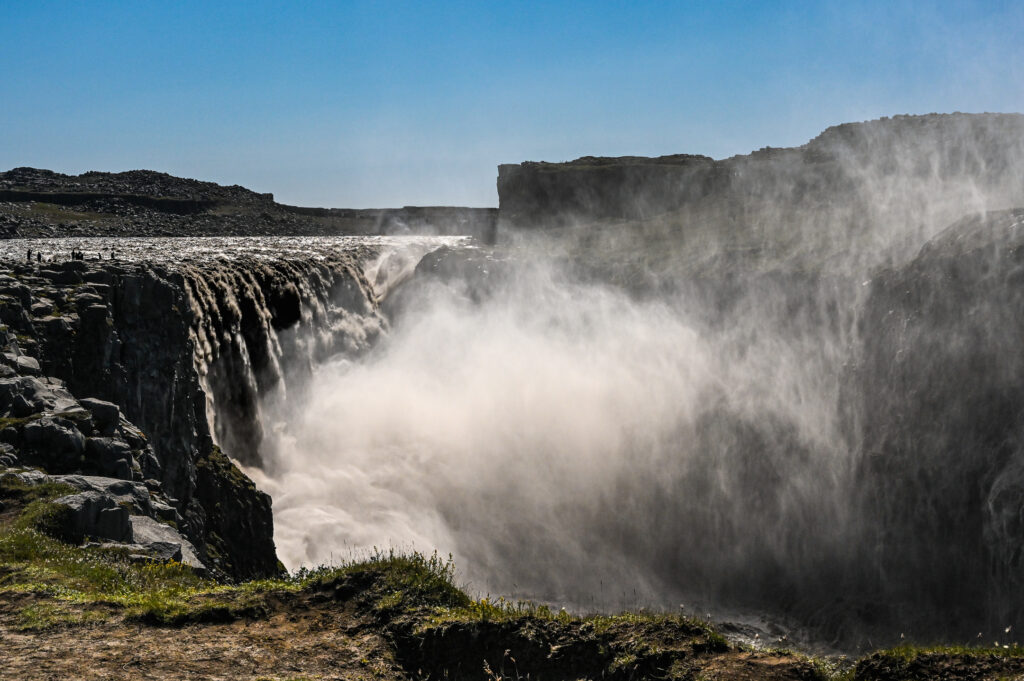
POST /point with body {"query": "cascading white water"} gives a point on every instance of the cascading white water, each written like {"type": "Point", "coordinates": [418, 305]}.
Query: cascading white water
{"type": "Point", "coordinates": [554, 437]}
{"type": "Point", "coordinates": [688, 434]}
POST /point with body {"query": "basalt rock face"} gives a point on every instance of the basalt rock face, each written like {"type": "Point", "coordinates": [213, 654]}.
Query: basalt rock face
{"type": "Point", "coordinates": [186, 351]}
{"type": "Point", "coordinates": [939, 389]}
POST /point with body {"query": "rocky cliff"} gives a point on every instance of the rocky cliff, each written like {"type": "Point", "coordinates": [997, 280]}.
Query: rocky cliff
{"type": "Point", "coordinates": [860, 192]}
{"type": "Point", "coordinates": [878, 265]}
{"type": "Point", "coordinates": [182, 353]}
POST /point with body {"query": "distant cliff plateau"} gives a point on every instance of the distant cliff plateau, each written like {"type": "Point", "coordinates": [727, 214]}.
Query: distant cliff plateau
{"type": "Point", "coordinates": [858, 194]}
{"type": "Point", "coordinates": [42, 203]}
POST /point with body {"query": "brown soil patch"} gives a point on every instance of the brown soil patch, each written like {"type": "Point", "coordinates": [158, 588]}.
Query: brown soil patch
{"type": "Point", "coordinates": [300, 642]}
{"type": "Point", "coordinates": [753, 666]}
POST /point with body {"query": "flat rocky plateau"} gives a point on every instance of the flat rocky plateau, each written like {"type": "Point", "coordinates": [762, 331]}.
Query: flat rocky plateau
{"type": "Point", "coordinates": [42, 203]}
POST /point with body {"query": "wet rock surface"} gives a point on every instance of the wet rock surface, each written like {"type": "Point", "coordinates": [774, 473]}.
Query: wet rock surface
{"type": "Point", "coordinates": [939, 390]}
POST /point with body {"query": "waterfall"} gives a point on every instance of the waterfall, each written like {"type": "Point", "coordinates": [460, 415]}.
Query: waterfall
{"type": "Point", "coordinates": [259, 326]}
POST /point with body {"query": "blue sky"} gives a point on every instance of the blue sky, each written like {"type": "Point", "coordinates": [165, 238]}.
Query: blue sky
{"type": "Point", "coordinates": [363, 104]}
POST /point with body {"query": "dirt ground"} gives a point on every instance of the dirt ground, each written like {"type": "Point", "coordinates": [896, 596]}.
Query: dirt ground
{"type": "Point", "coordinates": [300, 642]}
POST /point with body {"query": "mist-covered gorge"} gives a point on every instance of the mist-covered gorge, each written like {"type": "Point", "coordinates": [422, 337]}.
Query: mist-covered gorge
{"type": "Point", "coordinates": [778, 384]}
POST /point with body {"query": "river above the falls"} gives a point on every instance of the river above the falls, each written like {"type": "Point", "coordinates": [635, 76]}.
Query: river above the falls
{"type": "Point", "coordinates": [187, 249]}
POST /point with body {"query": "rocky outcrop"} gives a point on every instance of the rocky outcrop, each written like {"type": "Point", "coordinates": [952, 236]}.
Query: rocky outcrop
{"type": "Point", "coordinates": [132, 516]}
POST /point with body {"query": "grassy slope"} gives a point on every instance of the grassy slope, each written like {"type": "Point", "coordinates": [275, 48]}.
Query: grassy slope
{"type": "Point", "coordinates": [391, 616]}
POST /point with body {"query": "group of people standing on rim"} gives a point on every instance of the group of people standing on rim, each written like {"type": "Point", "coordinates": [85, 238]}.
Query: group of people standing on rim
{"type": "Point", "coordinates": [75, 255]}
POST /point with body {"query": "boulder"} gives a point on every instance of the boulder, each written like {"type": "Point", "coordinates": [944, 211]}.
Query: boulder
{"type": "Point", "coordinates": [21, 407]}
{"type": "Point", "coordinates": [56, 443]}
{"type": "Point", "coordinates": [27, 365]}
{"type": "Point", "coordinates": [96, 515]}
{"type": "Point", "coordinates": [55, 436]}
{"type": "Point", "coordinates": [112, 457]}
{"type": "Point", "coordinates": [83, 300]}
{"type": "Point", "coordinates": [147, 532]}
{"type": "Point", "coordinates": [106, 415]}
{"type": "Point", "coordinates": [161, 552]}
{"type": "Point", "coordinates": [8, 455]}
{"type": "Point", "coordinates": [127, 493]}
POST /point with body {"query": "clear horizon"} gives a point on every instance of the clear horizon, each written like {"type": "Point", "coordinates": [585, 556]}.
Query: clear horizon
{"type": "Point", "coordinates": [381, 104]}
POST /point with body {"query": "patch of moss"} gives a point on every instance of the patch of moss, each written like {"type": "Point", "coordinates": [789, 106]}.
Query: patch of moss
{"type": "Point", "coordinates": [17, 422]}
{"type": "Point", "coordinates": [13, 488]}
{"type": "Point", "coordinates": [218, 464]}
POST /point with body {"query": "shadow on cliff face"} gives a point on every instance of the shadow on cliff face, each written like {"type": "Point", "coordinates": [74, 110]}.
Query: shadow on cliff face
{"type": "Point", "coordinates": [732, 409]}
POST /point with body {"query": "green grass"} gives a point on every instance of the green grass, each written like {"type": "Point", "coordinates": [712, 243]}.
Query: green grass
{"type": "Point", "coordinates": [47, 615]}
{"type": "Point", "coordinates": [909, 653]}
{"type": "Point", "coordinates": [14, 488]}
{"type": "Point", "coordinates": [34, 559]}
{"type": "Point", "coordinates": [38, 511]}
{"type": "Point", "coordinates": [75, 586]}
{"type": "Point", "coordinates": [394, 582]}
{"type": "Point", "coordinates": [503, 609]}
{"type": "Point", "coordinates": [47, 517]}
{"type": "Point", "coordinates": [158, 593]}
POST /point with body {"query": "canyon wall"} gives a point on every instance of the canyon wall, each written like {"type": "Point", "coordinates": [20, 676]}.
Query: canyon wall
{"type": "Point", "coordinates": [858, 464]}
{"type": "Point", "coordinates": [855, 196]}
